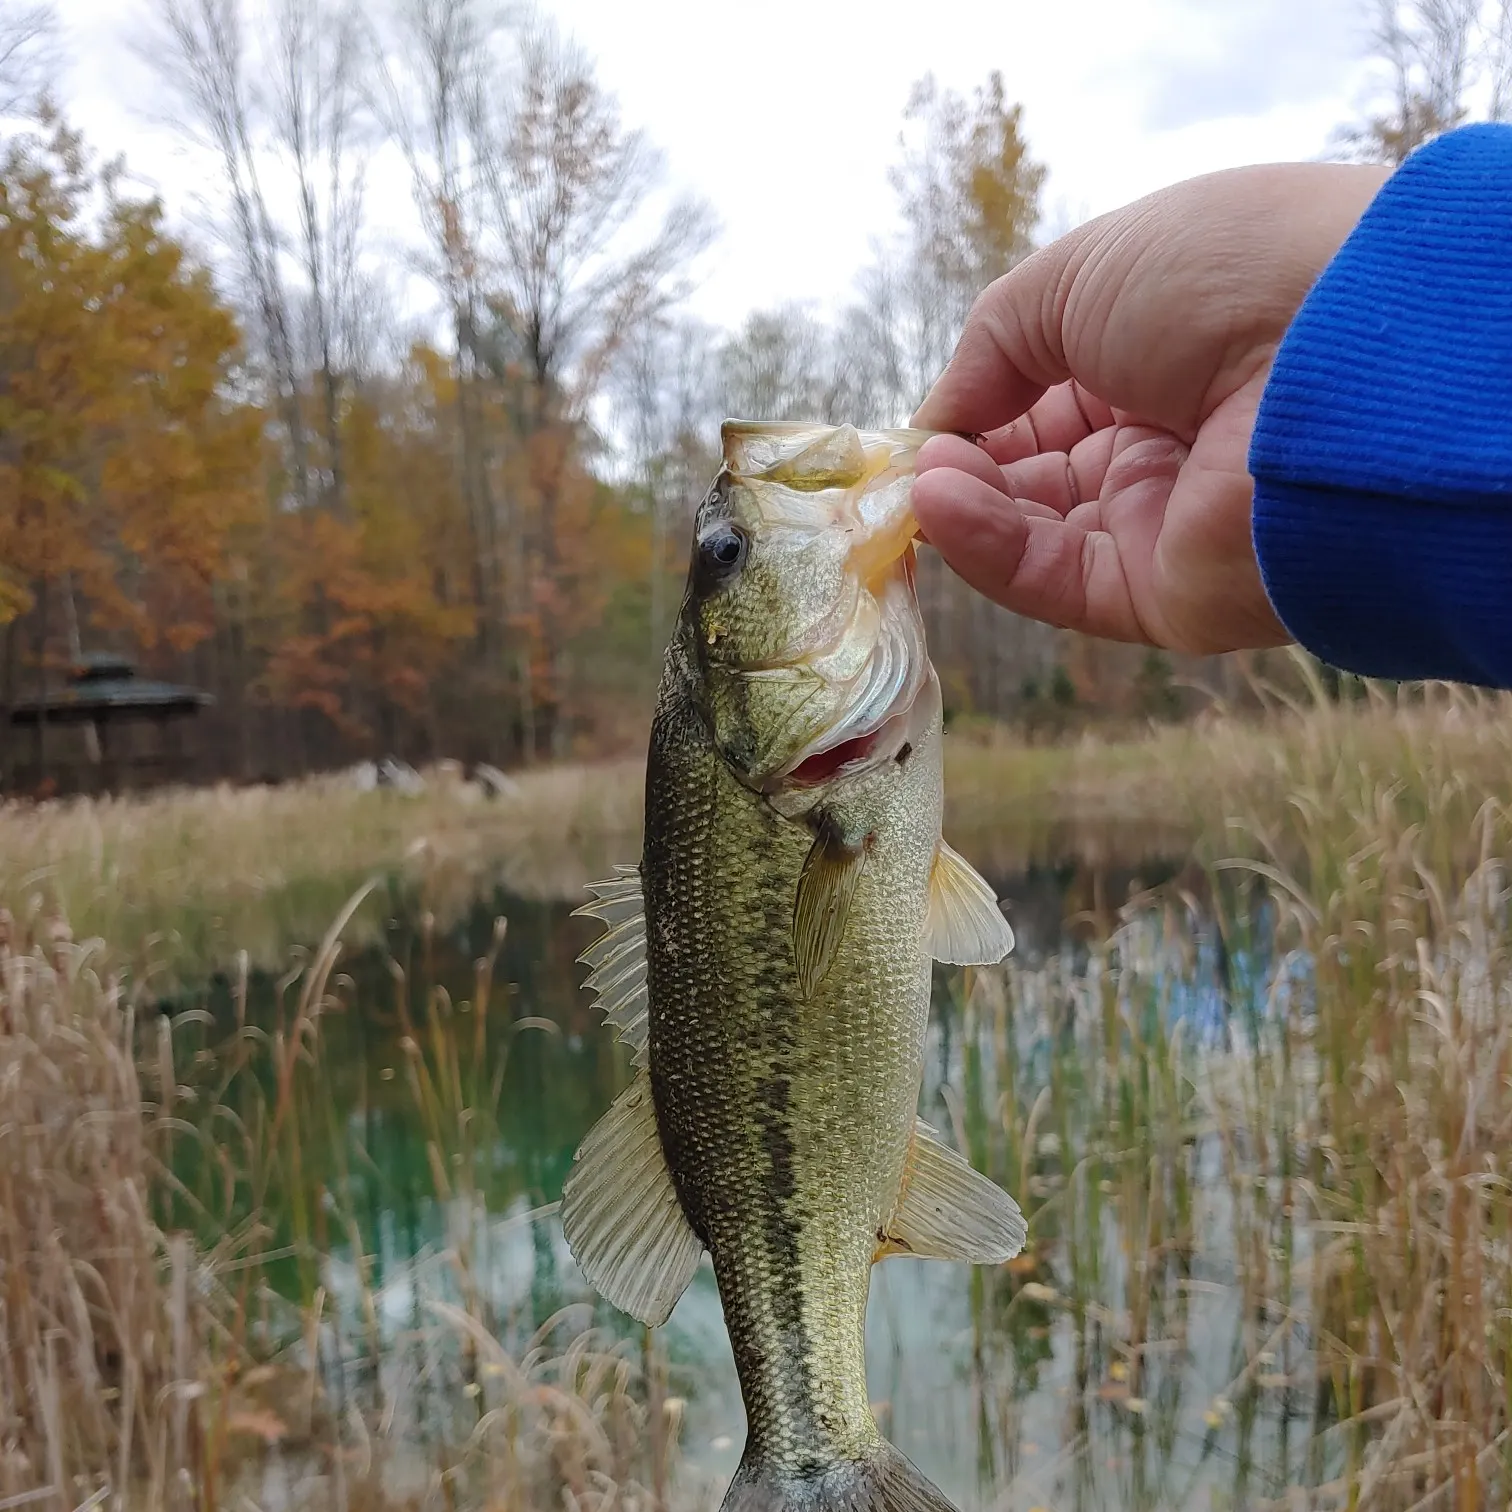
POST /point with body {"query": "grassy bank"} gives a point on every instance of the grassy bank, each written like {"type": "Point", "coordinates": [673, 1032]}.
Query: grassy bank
{"type": "Point", "coordinates": [200, 876]}
{"type": "Point", "coordinates": [1222, 784]}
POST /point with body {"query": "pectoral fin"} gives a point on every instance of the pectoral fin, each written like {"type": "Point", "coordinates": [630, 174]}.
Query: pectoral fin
{"type": "Point", "coordinates": [620, 1213]}
{"type": "Point", "coordinates": [964, 925]}
{"type": "Point", "coordinates": [948, 1211]}
{"type": "Point", "coordinates": [822, 905]}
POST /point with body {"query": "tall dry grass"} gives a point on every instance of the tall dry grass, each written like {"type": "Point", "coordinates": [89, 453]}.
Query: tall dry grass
{"type": "Point", "coordinates": [1223, 780]}
{"type": "Point", "coordinates": [103, 1324]}
{"type": "Point", "coordinates": [147, 1360]}
{"type": "Point", "coordinates": [1264, 1133]}
{"type": "Point", "coordinates": [1390, 873]}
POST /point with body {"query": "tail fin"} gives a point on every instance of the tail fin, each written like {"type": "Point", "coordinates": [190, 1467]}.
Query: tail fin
{"type": "Point", "coordinates": [882, 1482]}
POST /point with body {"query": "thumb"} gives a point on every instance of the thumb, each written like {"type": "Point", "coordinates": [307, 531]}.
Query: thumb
{"type": "Point", "coordinates": [1011, 349]}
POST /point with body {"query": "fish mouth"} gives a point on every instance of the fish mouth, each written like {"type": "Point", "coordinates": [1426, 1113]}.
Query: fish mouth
{"type": "Point", "coordinates": [852, 755]}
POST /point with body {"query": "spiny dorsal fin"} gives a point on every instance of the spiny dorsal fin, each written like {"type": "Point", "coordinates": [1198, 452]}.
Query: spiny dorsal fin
{"type": "Point", "coordinates": [618, 957]}
{"type": "Point", "coordinates": [621, 1216]}
{"type": "Point", "coordinates": [826, 889]}
{"type": "Point", "coordinates": [948, 1211]}
{"type": "Point", "coordinates": [964, 926]}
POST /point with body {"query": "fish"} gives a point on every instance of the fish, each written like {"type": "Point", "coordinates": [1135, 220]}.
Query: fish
{"type": "Point", "coordinates": [768, 962]}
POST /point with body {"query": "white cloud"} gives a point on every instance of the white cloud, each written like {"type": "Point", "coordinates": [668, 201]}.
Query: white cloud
{"type": "Point", "coordinates": [784, 114]}
{"type": "Point", "coordinates": [1245, 58]}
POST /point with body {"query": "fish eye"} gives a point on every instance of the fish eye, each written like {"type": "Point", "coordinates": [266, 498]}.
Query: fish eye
{"type": "Point", "coordinates": [722, 551]}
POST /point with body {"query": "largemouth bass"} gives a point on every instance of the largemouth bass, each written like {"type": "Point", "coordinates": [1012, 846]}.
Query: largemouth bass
{"type": "Point", "coordinates": [769, 962]}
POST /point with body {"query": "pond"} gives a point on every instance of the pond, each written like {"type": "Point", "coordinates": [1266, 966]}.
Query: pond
{"type": "Point", "coordinates": [1146, 1350]}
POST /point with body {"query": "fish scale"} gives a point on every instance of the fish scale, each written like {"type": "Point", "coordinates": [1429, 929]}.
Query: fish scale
{"type": "Point", "coordinates": [786, 936]}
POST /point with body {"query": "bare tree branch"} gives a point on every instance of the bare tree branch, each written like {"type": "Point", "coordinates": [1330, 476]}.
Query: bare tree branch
{"type": "Point", "coordinates": [28, 44]}
{"type": "Point", "coordinates": [199, 53]}
{"type": "Point", "coordinates": [1499, 62]}
{"type": "Point", "coordinates": [313, 105]}
{"type": "Point", "coordinates": [1440, 54]}
{"type": "Point", "coordinates": [666, 397]}
{"type": "Point", "coordinates": [581, 264]}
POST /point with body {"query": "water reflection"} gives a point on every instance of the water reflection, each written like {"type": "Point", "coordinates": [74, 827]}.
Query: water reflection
{"type": "Point", "coordinates": [1111, 1366]}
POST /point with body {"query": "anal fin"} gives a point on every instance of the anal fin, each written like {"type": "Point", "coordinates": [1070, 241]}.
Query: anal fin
{"type": "Point", "coordinates": [964, 926]}
{"type": "Point", "coordinates": [621, 1215]}
{"type": "Point", "coordinates": [948, 1211]}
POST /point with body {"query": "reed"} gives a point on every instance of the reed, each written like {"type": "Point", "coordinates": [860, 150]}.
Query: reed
{"type": "Point", "coordinates": [189, 1313]}
{"type": "Point", "coordinates": [104, 1329]}
{"type": "Point", "coordinates": [1262, 1128]}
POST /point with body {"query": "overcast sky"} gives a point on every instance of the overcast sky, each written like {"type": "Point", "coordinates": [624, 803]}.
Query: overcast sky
{"type": "Point", "coordinates": [784, 114]}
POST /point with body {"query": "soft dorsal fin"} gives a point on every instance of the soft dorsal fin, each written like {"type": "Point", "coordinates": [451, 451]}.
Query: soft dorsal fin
{"type": "Point", "coordinates": [618, 957]}
{"type": "Point", "coordinates": [822, 905]}
{"type": "Point", "coordinates": [621, 1216]}
{"type": "Point", "coordinates": [964, 926]}
{"type": "Point", "coordinates": [948, 1211]}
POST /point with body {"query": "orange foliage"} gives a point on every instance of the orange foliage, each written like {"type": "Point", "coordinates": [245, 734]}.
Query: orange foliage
{"type": "Point", "coordinates": [370, 608]}
{"type": "Point", "coordinates": [124, 466]}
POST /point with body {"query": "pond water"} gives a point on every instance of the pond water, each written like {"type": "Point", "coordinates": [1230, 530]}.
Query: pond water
{"type": "Point", "coordinates": [1131, 1358]}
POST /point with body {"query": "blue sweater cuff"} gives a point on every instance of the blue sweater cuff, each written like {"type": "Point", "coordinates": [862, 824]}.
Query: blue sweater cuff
{"type": "Point", "coordinates": [1382, 453]}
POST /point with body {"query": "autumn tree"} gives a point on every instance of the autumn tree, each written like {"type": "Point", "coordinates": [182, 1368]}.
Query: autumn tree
{"type": "Point", "coordinates": [969, 196]}
{"type": "Point", "coordinates": [576, 262]}
{"type": "Point", "coordinates": [1444, 62]}
{"type": "Point", "coordinates": [432, 58]}
{"type": "Point", "coordinates": [390, 571]}
{"type": "Point", "coordinates": [124, 465]}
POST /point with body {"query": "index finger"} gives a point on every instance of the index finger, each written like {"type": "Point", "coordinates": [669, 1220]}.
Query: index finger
{"type": "Point", "coordinates": [1010, 351]}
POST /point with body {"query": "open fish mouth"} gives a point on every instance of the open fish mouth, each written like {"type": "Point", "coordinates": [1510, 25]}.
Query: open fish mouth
{"type": "Point", "coordinates": [855, 754]}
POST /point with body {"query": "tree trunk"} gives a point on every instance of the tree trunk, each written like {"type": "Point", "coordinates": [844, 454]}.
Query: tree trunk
{"type": "Point", "coordinates": [42, 607]}
{"type": "Point", "coordinates": [8, 697]}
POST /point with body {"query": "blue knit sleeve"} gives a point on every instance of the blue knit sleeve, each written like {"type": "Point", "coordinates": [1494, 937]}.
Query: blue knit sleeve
{"type": "Point", "coordinates": [1382, 455]}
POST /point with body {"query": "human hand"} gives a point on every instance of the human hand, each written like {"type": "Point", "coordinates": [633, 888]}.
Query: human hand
{"type": "Point", "coordinates": [1115, 378]}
